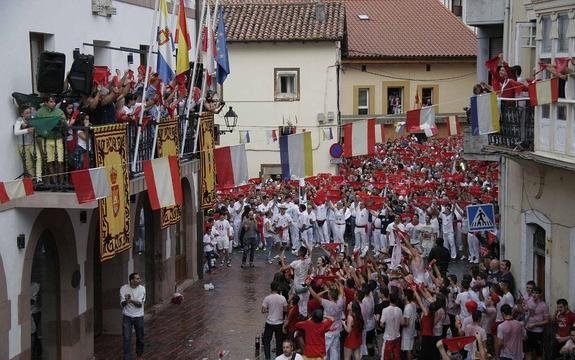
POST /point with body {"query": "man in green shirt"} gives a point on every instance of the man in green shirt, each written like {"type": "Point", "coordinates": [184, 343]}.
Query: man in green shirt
{"type": "Point", "coordinates": [53, 141]}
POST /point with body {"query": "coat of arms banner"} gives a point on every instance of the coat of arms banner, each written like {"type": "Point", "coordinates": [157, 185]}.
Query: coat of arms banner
{"type": "Point", "coordinates": [111, 151]}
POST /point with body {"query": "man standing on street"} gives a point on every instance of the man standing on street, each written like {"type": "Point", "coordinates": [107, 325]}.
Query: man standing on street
{"type": "Point", "coordinates": [441, 255]}
{"type": "Point", "coordinates": [132, 298]}
{"type": "Point", "coordinates": [510, 335]}
{"type": "Point", "coordinates": [275, 305]}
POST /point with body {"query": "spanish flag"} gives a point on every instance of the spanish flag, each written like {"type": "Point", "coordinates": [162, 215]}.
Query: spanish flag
{"type": "Point", "coordinates": [183, 41]}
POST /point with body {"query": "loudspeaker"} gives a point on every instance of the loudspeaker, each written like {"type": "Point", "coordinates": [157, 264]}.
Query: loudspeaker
{"type": "Point", "coordinates": [51, 71]}
{"type": "Point", "coordinates": [80, 77]}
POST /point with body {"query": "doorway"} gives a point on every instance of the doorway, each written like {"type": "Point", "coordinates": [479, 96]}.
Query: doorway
{"type": "Point", "coordinates": [144, 251]}
{"type": "Point", "coordinates": [395, 100]}
{"type": "Point", "coordinates": [45, 300]}
{"type": "Point", "coordinates": [177, 233]}
{"type": "Point", "coordinates": [539, 240]}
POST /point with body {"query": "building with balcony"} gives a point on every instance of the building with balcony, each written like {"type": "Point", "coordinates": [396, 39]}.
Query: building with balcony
{"type": "Point", "coordinates": [537, 154]}
{"type": "Point", "coordinates": [50, 244]}
{"type": "Point", "coordinates": [398, 58]}
{"type": "Point", "coordinates": [283, 60]}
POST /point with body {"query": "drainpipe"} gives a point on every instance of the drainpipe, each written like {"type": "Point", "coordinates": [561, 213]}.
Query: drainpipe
{"type": "Point", "coordinates": [506, 27]}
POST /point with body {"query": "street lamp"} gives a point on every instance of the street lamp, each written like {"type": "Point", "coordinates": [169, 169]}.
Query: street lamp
{"type": "Point", "coordinates": [231, 119]}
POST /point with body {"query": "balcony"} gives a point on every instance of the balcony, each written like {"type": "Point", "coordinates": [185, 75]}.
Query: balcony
{"type": "Point", "coordinates": [516, 129]}
{"type": "Point", "coordinates": [76, 144]}
{"type": "Point", "coordinates": [484, 12]}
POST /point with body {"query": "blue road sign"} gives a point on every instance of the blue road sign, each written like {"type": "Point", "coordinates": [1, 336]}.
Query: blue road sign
{"type": "Point", "coordinates": [481, 217]}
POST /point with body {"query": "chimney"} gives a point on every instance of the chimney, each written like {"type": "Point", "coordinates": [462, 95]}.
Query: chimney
{"type": "Point", "coordinates": [320, 11]}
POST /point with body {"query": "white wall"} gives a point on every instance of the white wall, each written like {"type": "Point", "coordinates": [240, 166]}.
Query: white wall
{"type": "Point", "coordinates": [71, 23]}
{"type": "Point", "coordinates": [250, 90]}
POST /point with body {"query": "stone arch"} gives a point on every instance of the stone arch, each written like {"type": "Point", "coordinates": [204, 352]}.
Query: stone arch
{"type": "Point", "coordinates": [5, 313]}
{"type": "Point", "coordinates": [59, 224]}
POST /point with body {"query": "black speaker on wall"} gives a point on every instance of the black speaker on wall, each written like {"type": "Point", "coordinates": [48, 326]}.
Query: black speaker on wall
{"type": "Point", "coordinates": [80, 77]}
{"type": "Point", "coordinates": [51, 71]}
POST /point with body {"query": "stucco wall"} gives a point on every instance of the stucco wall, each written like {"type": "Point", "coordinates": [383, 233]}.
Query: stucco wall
{"type": "Point", "coordinates": [250, 90]}
{"type": "Point", "coordinates": [454, 91]}
{"type": "Point", "coordinates": [553, 211]}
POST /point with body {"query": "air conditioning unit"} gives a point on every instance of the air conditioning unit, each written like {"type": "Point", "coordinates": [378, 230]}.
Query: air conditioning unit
{"type": "Point", "coordinates": [321, 118]}
{"type": "Point", "coordinates": [330, 116]}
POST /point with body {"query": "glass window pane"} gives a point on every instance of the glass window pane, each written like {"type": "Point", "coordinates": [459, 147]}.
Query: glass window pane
{"type": "Point", "coordinates": [362, 97]}
{"type": "Point", "coordinates": [363, 111]}
{"type": "Point", "coordinates": [545, 110]}
{"type": "Point", "coordinates": [546, 33]}
{"type": "Point", "coordinates": [563, 25]}
{"type": "Point", "coordinates": [283, 84]}
{"type": "Point", "coordinates": [561, 112]}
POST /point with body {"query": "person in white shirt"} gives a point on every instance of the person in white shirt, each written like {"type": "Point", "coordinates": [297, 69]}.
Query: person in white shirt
{"type": "Point", "coordinates": [473, 246]}
{"type": "Point", "coordinates": [293, 212]}
{"type": "Point", "coordinates": [391, 320]}
{"type": "Point", "coordinates": [507, 298]}
{"type": "Point", "coordinates": [333, 308]}
{"type": "Point", "coordinates": [307, 219]}
{"type": "Point", "coordinates": [330, 220]}
{"type": "Point", "coordinates": [341, 214]}
{"type": "Point", "coordinates": [222, 231]}
{"type": "Point", "coordinates": [391, 238]}
{"type": "Point", "coordinates": [408, 331]}
{"type": "Point", "coordinates": [289, 351]}
{"type": "Point", "coordinates": [29, 151]}
{"type": "Point", "coordinates": [448, 231]}
{"type": "Point", "coordinates": [321, 221]}
{"type": "Point", "coordinates": [237, 218]}
{"type": "Point", "coordinates": [301, 269]}
{"type": "Point", "coordinates": [132, 299]}
{"type": "Point", "coordinates": [275, 306]}
{"type": "Point", "coordinates": [209, 249]}
{"type": "Point", "coordinates": [266, 205]}
{"type": "Point", "coordinates": [282, 223]}
{"type": "Point", "coordinates": [360, 231]}
{"type": "Point", "coordinates": [378, 241]}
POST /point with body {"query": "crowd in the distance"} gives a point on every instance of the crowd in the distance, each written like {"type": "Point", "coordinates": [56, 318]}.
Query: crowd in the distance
{"type": "Point", "coordinates": [375, 248]}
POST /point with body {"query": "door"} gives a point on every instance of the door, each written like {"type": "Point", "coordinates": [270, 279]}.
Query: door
{"type": "Point", "coordinates": [45, 300]}
{"type": "Point", "coordinates": [179, 236]}
{"type": "Point", "coordinates": [539, 240]}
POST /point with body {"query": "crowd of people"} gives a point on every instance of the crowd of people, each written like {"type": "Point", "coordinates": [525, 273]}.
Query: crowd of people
{"type": "Point", "coordinates": [374, 249]}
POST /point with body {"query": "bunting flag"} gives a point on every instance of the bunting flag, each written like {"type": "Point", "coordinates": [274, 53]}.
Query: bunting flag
{"type": "Point", "coordinates": [544, 92]}
{"type": "Point", "coordinates": [164, 38]}
{"type": "Point", "coordinates": [453, 128]}
{"type": "Point", "coordinates": [327, 134]}
{"type": "Point", "coordinates": [168, 143]}
{"type": "Point", "coordinates": [90, 184]}
{"type": "Point", "coordinates": [561, 64]}
{"type": "Point", "coordinates": [361, 136]}
{"type": "Point", "coordinates": [231, 165]}
{"type": "Point", "coordinates": [271, 136]}
{"type": "Point", "coordinates": [10, 190]}
{"type": "Point", "coordinates": [163, 181]}
{"type": "Point", "coordinates": [244, 136]}
{"type": "Point", "coordinates": [399, 127]}
{"type": "Point", "coordinates": [183, 41]}
{"type": "Point", "coordinates": [296, 155]}
{"type": "Point", "coordinates": [420, 119]}
{"type": "Point", "coordinates": [222, 62]}
{"type": "Point", "coordinates": [484, 114]}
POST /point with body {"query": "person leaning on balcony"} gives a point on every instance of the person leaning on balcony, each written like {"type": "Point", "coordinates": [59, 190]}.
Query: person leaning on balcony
{"type": "Point", "coordinates": [503, 80]}
{"type": "Point", "coordinates": [53, 143]}
{"type": "Point", "coordinates": [27, 143]}
{"type": "Point", "coordinates": [101, 102]}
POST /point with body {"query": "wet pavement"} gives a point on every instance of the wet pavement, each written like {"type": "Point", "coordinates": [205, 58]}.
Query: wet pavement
{"type": "Point", "coordinates": [227, 318]}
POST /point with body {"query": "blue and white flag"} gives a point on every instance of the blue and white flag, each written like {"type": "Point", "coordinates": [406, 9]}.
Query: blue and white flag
{"type": "Point", "coordinates": [165, 46]}
{"type": "Point", "coordinates": [223, 69]}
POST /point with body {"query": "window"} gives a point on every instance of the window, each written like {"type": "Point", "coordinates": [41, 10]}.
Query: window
{"type": "Point", "coordinates": [562, 112]}
{"type": "Point", "coordinates": [286, 130]}
{"type": "Point", "coordinates": [216, 134]}
{"type": "Point", "coordinates": [563, 27]}
{"type": "Point", "coordinates": [36, 47]}
{"type": "Point", "coordinates": [527, 35]}
{"type": "Point", "coordinates": [545, 111]}
{"type": "Point", "coordinates": [394, 100]}
{"type": "Point", "coordinates": [363, 101]}
{"type": "Point", "coordinates": [427, 96]}
{"type": "Point", "coordinates": [286, 84]}
{"type": "Point", "coordinates": [456, 8]}
{"type": "Point", "coordinates": [546, 34]}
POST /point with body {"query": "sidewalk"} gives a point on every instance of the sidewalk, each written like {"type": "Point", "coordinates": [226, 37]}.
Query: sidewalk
{"type": "Point", "coordinates": [226, 318]}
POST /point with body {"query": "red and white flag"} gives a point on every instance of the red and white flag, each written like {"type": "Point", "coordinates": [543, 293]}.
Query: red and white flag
{"type": "Point", "coordinates": [90, 184]}
{"type": "Point", "coordinates": [361, 136]}
{"type": "Point", "coordinates": [208, 47]}
{"type": "Point", "coordinates": [231, 165]}
{"type": "Point", "coordinates": [544, 92]}
{"type": "Point", "coordinates": [163, 180]}
{"type": "Point", "coordinates": [422, 120]}
{"type": "Point", "coordinates": [453, 128]}
{"type": "Point", "coordinates": [10, 190]}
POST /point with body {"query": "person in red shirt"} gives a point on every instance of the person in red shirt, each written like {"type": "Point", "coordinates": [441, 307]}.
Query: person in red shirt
{"type": "Point", "coordinates": [503, 80]}
{"type": "Point", "coordinates": [565, 318]}
{"type": "Point", "coordinates": [315, 329]}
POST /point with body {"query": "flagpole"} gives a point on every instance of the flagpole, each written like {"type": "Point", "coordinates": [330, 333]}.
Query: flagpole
{"type": "Point", "coordinates": [193, 79]}
{"type": "Point", "coordinates": [173, 22]}
{"type": "Point", "coordinates": [146, 79]}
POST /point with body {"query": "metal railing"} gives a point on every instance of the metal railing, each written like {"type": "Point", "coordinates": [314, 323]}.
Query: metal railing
{"type": "Point", "coordinates": [516, 128]}
{"type": "Point", "coordinates": [49, 161]}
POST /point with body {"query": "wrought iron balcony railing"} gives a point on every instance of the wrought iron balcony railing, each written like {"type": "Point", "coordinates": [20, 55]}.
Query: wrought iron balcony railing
{"type": "Point", "coordinates": [516, 128]}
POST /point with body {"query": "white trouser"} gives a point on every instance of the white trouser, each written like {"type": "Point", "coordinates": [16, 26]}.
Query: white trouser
{"type": "Point", "coordinates": [322, 233]}
{"type": "Point", "coordinates": [303, 300]}
{"type": "Point", "coordinates": [332, 345]}
{"type": "Point", "coordinates": [473, 243]}
{"type": "Point", "coordinates": [449, 243]}
{"type": "Point", "coordinates": [360, 238]}
{"type": "Point", "coordinates": [237, 227]}
{"type": "Point", "coordinates": [294, 232]}
{"type": "Point", "coordinates": [376, 239]}
{"type": "Point", "coordinates": [458, 237]}
{"type": "Point", "coordinates": [339, 231]}
{"type": "Point", "coordinates": [331, 228]}
{"type": "Point", "coordinates": [307, 236]}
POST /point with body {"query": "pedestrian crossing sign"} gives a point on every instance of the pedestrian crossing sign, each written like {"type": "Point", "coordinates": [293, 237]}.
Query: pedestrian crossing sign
{"type": "Point", "coordinates": [480, 217]}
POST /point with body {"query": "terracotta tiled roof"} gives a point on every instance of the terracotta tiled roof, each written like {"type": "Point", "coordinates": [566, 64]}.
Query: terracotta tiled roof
{"type": "Point", "coordinates": [283, 21]}
{"type": "Point", "coordinates": [406, 28]}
